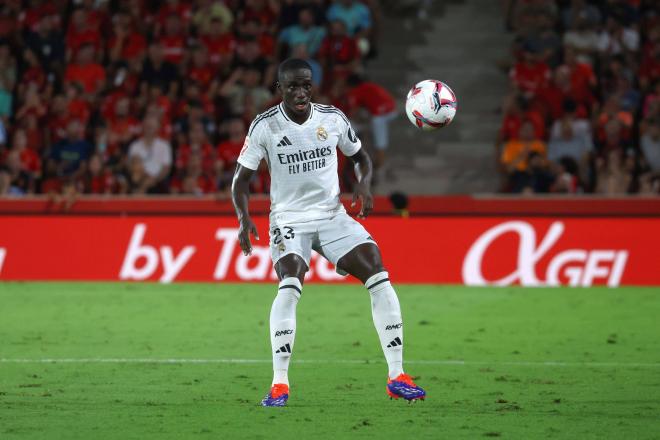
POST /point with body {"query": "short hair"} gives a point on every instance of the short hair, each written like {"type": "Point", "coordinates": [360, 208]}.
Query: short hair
{"type": "Point", "coordinates": [291, 64]}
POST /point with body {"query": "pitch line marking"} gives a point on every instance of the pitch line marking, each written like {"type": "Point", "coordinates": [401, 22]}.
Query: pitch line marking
{"type": "Point", "coordinates": [325, 361]}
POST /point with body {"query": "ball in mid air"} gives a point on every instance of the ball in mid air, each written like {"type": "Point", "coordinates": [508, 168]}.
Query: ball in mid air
{"type": "Point", "coordinates": [431, 104]}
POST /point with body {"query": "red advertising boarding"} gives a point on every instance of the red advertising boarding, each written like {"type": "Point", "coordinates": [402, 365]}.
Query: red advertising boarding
{"type": "Point", "coordinates": [477, 251]}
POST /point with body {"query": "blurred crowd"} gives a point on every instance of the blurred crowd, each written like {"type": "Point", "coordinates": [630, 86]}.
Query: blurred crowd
{"type": "Point", "coordinates": [583, 114]}
{"type": "Point", "coordinates": [152, 97]}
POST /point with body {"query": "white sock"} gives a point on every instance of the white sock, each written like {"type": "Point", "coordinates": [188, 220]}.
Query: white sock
{"type": "Point", "coordinates": [386, 313]}
{"type": "Point", "coordinates": [283, 327]}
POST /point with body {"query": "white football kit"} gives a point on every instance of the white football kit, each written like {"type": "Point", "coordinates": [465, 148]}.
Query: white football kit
{"type": "Point", "coordinates": [306, 212]}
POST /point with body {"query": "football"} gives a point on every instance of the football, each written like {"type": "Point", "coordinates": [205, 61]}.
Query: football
{"type": "Point", "coordinates": [431, 104]}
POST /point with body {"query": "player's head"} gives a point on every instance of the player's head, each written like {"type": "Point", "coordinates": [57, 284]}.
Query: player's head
{"type": "Point", "coordinates": [294, 81]}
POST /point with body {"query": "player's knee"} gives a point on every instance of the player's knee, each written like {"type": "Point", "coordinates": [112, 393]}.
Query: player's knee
{"type": "Point", "coordinates": [373, 270]}
{"type": "Point", "coordinates": [362, 262]}
{"type": "Point", "coordinates": [290, 266]}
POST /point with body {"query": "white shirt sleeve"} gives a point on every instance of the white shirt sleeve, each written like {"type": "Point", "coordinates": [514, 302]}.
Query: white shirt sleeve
{"type": "Point", "coordinates": [253, 148]}
{"type": "Point", "coordinates": [134, 148]}
{"type": "Point", "coordinates": [349, 144]}
{"type": "Point", "coordinates": [166, 150]}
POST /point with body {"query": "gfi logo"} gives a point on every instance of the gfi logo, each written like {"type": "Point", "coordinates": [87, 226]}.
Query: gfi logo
{"type": "Point", "coordinates": [283, 332]}
{"type": "Point", "coordinates": [579, 266]}
{"type": "Point", "coordinates": [394, 326]}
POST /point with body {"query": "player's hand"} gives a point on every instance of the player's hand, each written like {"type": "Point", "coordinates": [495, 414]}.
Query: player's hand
{"type": "Point", "coordinates": [246, 228]}
{"type": "Point", "coordinates": [362, 194]}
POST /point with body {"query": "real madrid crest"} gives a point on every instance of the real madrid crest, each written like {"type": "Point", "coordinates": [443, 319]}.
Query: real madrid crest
{"type": "Point", "coordinates": [321, 133]}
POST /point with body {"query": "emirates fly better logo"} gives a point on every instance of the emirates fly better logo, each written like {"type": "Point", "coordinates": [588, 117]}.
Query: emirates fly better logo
{"type": "Point", "coordinates": [580, 267]}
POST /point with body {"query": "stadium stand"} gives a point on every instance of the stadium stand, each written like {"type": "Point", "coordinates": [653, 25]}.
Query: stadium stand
{"type": "Point", "coordinates": [583, 114]}
{"type": "Point", "coordinates": [85, 85]}
{"type": "Point", "coordinates": [81, 83]}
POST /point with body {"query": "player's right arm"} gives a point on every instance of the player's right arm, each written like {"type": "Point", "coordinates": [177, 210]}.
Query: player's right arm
{"type": "Point", "coordinates": [240, 194]}
{"type": "Point", "coordinates": [248, 162]}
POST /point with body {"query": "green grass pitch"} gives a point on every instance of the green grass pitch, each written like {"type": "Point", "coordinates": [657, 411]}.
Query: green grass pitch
{"type": "Point", "coordinates": [537, 363]}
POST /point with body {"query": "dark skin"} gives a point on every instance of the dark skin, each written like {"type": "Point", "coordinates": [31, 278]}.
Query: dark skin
{"type": "Point", "coordinates": [363, 261]}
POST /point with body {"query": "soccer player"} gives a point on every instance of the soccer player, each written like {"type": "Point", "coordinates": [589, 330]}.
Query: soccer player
{"type": "Point", "coordinates": [299, 140]}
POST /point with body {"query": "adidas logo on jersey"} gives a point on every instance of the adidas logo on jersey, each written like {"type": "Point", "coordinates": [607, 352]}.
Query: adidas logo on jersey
{"type": "Point", "coordinates": [395, 343]}
{"type": "Point", "coordinates": [286, 348]}
{"type": "Point", "coordinates": [284, 142]}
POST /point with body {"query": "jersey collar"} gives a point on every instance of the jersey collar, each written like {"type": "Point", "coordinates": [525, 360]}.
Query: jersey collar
{"type": "Point", "coordinates": [309, 118]}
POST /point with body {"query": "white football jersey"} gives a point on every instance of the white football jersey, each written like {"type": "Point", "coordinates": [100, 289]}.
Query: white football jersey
{"type": "Point", "coordinates": [302, 160]}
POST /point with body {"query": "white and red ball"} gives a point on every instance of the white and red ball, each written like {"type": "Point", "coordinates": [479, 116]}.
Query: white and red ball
{"type": "Point", "coordinates": [431, 104]}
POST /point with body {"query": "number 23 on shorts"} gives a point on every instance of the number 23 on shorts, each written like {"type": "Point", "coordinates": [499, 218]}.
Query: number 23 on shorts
{"type": "Point", "coordinates": [277, 234]}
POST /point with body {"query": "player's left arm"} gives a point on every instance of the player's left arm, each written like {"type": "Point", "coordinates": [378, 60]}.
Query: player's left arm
{"type": "Point", "coordinates": [362, 190]}
{"type": "Point", "coordinates": [350, 145]}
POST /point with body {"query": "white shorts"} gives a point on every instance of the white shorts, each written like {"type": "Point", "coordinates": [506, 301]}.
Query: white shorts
{"type": "Point", "coordinates": [380, 129]}
{"type": "Point", "coordinates": [332, 238]}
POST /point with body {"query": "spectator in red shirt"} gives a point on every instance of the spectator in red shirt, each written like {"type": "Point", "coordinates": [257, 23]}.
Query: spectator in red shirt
{"type": "Point", "coordinates": [193, 95]}
{"type": "Point", "coordinates": [220, 44]}
{"type": "Point", "coordinates": [516, 112]}
{"type": "Point", "coordinates": [183, 10]}
{"type": "Point", "coordinates": [30, 161]}
{"type": "Point", "coordinates": [198, 144]}
{"type": "Point", "coordinates": [583, 78]}
{"type": "Point", "coordinates": [77, 106]}
{"type": "Point", "coordinates": [193, 180]}
{"type": "Point", "coordinates": [33, 73]}
{"type": "Point", "coordinates": [85, 71]}
{"type": "Point", "coordinates": [531, 75]}
{"type": "Point", "coordinates": [254, 30]}
{"type": "Point", "coordinates": [561, 89]}
{"type": "Point", "coordinates": [162, 115]}
{"type": "Point", "coordinates": [380, 106]}
{"type": "Point", "coordinates": [58, 119]}
{"type": "Point", "coordinates": [81, 32]}
{"type": "Point", "coordinates": [174, 40]}
{"type": "Point", "coordinates": [96, 179]}
{"type": "Point", "coordinates": [123, 127]}
{"type": "Point", "coordinates": [125, 43]}
{"type": "Point", "coordinates": [339, 53]}
{"type": "Point", "coordinates": [33, 104]}
{"type": "Point", "coordinates": [228, 152]}
{"type": "Point", "coordinates": [200, 70]}
{"type": "Point", "coordinates": [37, 9]}
{"type": "Point", "coordinates": [264, 11]}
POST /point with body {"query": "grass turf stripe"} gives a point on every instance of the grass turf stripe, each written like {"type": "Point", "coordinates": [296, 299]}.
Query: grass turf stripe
{"type": "Point", "coordinates": [325, 361]}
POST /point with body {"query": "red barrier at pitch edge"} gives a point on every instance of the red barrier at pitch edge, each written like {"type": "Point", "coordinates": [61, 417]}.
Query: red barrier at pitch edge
{"type": "Point", "coordinates": [493, 205]}
{"type": "Point", "coordinates": [459, 250]}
